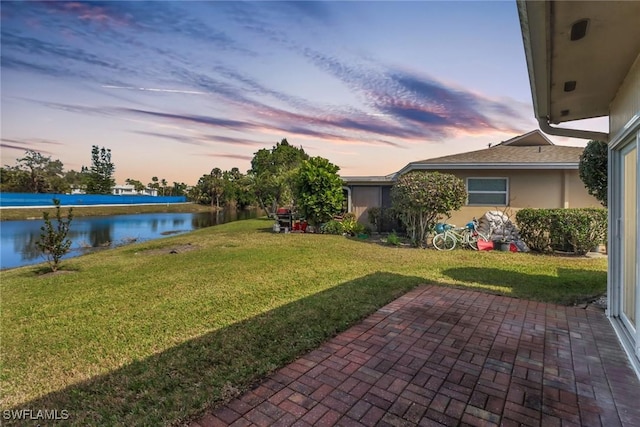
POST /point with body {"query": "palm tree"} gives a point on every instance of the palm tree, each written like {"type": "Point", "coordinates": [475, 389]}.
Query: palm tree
{"type": "Point", "coordinates": [164, 185]}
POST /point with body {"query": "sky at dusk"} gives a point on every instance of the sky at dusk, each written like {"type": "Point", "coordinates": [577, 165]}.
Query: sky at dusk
{"type": "Point", "coordinates": [175, 89]}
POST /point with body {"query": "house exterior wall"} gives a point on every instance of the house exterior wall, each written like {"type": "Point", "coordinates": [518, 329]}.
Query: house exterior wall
{"type": "Point", "coordinates": [364, 197]}
{"type": "Point", "coordinates": [527, 189]}
{"type": "Point", "coordinates": [627, 102]}
{"type": "Point", "coordinates": [547, 189]}
{"type": "Point", "coordinates": [623, 287]}
{"type": "Point", "coordinates": [579, 197]}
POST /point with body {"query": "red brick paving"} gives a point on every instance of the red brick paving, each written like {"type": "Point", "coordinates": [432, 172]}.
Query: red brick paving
{"type": "Point", "coordinates": [440, 356]}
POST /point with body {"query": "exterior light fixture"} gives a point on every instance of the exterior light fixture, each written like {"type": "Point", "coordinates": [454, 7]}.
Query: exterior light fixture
{"type": "Point", "coordinates": [570, 86]}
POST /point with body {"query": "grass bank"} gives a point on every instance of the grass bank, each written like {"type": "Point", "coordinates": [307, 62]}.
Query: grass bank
{"type": "Point", "coordinates": [9, 214]}
{"type": "Point", "coordinates": [142, 336]}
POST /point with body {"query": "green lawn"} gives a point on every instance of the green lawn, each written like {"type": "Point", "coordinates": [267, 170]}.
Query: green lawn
{"type": "Point", "coordinates": [140, 336]}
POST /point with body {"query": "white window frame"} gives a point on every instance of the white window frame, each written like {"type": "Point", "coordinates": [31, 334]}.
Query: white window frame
{"type": "Point", "coordinates": [618, 146]}
{"type": "Point", "coordinates": [505, 192]}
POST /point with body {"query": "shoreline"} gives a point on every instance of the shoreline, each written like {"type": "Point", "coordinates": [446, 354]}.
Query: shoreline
{"type": "Point", "coordinates": [21, 213]}
{"type": "Point", "coordinates": [96, 205]}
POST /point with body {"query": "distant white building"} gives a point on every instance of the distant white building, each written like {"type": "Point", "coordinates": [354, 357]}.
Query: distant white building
{"type": "Point", "coordinates": [130, 190]}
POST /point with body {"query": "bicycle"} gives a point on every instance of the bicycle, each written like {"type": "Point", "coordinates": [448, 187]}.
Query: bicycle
{"type": "Point", "coordinates": [449, 236]}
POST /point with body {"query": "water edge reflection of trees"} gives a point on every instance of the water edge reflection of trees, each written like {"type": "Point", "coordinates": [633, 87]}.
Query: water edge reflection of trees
{"type": "Point", "coordinates": [90, 234]}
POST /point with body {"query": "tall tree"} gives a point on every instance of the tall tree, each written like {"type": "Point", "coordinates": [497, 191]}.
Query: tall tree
{"type": "Point", "coordinates": [137, 185]}
{"type": "Point", "coordinates": [154, 183]}
{"type": "Point", "coordinates": [245, 195]}
{"type": "Point", "coordinates": [164, 185]}
{"type": "Point", "coordinates": [178, 189]}
{"type": "Point", "coordinates": [14, 180]}
{"type": "Point", "coordinates": [273, 172]}
{"type": "Point", "coordinates": [100, 174]}
{"type": "Point", "coordinates": [216, 186]}
{"type": "Point", "coordinates": [35, 173]}
{"type": "Point", "coordinates": [593, 169]}
{"type": "Point", "coordinates": [75, 179]}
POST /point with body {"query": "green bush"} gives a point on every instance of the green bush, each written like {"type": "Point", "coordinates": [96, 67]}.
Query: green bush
{"type": "Point", "coordinates": [580, 229]}
{"type": "Point", "coordinates": [347, 225]}
{"type": "Point", "coordinates": [584, 229]}
{"type": "Point", "coordinates": [350, 225]}
{"type": "Point", "coordinates": [393, 239]}
{"type": "Point", "coordinates": [420, 198]}
{"type": "Point", "coordinates": [332, 227]}
{"type": "Point", "coordinates": [535, 228]}
{"type": "Point", "coordinates": [318, 190]}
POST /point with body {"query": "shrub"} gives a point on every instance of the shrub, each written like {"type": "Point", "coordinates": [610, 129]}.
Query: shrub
{"type": "Point", "coordinates": [393, 239]}
{"type": "Point", "coordinates": [350, 225]}
{"type": "Point", "coordinates": [420, 198]}
{"type": "Point", "coordinates": [581, 229]}
{"type": "Point", "coordinates": [318, 190]}
{"type": "Point", "coordinates": [535, 228]}
{"type": "Point", "coordinates": [332, 227]}
{"type": "Point", "coordinates": [53, 242]}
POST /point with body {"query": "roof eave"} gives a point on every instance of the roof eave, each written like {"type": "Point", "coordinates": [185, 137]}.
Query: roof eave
{"type": "Point", "coordinates": [535, 24]}
{"type": "Point", "coordinates": [492, 166]}
{"type": "Point", "coordinates": [535, 30]}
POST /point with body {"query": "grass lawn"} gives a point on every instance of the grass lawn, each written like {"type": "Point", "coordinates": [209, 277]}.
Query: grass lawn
{"type": "Point", "coordinates": [141, 336]}
{"type": "Point", "coordinates": [7, 214]}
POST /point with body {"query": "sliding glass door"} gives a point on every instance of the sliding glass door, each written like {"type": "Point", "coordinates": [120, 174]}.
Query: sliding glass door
{"type": "Point", "coordinates": [629, 233]}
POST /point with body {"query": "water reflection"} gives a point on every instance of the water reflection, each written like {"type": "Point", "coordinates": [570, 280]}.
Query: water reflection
{"type": "Point", "coordinates": [18, 238]}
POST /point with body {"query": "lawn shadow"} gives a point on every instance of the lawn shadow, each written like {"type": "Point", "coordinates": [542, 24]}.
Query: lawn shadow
{"type": "Point", "coordinates": [579, 285]}
{"type": "Point", "coordinates": [181, 382]}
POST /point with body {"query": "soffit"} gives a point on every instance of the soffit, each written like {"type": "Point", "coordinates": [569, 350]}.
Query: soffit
{"type": "Point", "coordinates": [598, 62]}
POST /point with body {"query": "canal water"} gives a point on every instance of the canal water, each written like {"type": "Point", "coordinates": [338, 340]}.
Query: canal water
{"type": "Point", "coordinates": [18, 238]}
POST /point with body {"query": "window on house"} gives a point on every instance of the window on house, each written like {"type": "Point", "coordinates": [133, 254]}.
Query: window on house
{"type": "Point", "coordinates": [488, 191]}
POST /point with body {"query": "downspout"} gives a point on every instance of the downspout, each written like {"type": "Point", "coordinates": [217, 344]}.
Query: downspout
{"type": "Point", "coordinates": [543, 122]}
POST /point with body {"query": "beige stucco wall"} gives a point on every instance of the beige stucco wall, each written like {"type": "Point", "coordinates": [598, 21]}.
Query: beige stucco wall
{"type": "Point", "coordinates": [547, 189]}
{"type": "Point", "coordinates": [527, 189]}
{"type": "Point", "coordinates": [627, 101]}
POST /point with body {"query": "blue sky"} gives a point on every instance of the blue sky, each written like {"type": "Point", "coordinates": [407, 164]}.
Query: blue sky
{"type": "Point", "coordinates": [175, 89]}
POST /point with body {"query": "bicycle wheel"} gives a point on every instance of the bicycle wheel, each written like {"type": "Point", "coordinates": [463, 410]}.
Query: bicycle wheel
{"type": "Point", "coordinates": [473, 240]}
{"type": "Point", "coordinates": [444, 242]}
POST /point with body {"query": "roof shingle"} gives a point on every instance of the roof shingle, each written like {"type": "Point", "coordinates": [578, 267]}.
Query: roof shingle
{"type": "Point", "coordinates": [512, 154]}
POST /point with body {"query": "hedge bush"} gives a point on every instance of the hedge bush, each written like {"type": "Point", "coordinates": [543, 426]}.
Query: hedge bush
{"type": "Point", "coordinates": [581, 229]}
{"type": "Point", "coordinates": [535, 228]}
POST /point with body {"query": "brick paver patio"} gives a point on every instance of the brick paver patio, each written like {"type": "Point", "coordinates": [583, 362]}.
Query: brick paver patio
{"type": "Point", "coordinates": [443, 356]}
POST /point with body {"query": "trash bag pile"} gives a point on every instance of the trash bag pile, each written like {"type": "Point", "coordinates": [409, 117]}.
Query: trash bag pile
{"type": "Point", "coordinates": [498, 227]}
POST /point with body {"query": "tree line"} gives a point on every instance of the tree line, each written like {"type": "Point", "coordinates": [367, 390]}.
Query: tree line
{"type": "Point", "coordinates": [282, 176]}
{"type": "Point", "coordinates": [37, 173]}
